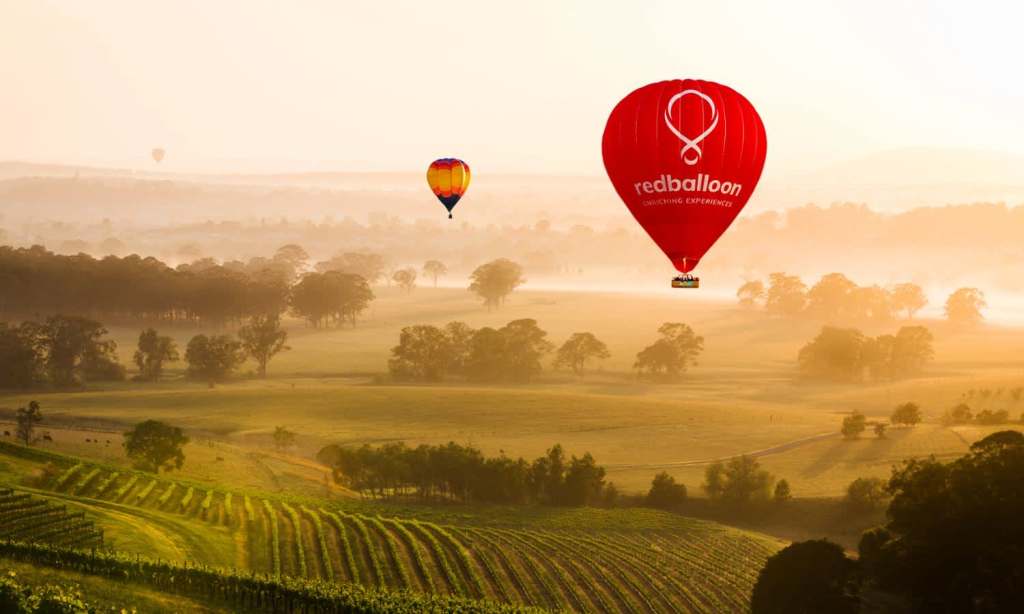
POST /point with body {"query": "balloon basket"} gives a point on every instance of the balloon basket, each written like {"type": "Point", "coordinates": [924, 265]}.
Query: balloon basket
{"type": "Point", "coordinates": [686, 282]}
{"type": "Point", "coordinates": [449, 216]}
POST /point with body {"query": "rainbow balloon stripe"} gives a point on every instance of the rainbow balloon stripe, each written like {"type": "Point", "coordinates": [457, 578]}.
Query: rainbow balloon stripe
{"type": "Point", "coordinates": [449, 179]}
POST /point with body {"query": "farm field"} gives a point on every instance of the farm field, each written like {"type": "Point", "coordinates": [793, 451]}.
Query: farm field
{"type": "Point", "coordinates": [104, 593]}
{"type": "Point", "coordinates": [584, 560]}
{"type": "Point", "coordinates": [240, 503]}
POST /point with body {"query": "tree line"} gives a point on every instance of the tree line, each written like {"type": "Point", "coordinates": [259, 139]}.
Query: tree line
{"type": "Point", "coordinates": [35, 282]}
{"type": "Point", "coordinates": [837, 298]}
{"type": "Point", "coordinates": [462, 473]}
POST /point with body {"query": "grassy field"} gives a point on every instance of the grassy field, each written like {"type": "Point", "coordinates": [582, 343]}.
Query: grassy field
{"type": "Point", "coordinates": [744, 397]}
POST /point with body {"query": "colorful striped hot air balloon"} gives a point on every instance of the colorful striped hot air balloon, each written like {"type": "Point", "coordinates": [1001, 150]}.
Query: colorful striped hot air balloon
{"type": "Point", "coordinates": [449, 179]}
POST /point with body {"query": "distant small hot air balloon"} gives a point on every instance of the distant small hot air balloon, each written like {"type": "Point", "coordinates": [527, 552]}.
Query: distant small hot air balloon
{"type": "Point", "coordinates": [449, 179]}
{"type": "Point", "coordinates": [158, 154]}
{"type": "Point", "coordinates": [684, 156]}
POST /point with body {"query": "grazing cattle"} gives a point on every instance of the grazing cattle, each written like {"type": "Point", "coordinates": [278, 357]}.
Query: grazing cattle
{"type": "Point", "coordinates": [87, 440]}
{"type": "Point", "coordinates": [46, 437]}
{"type": "Point", "coordinates": [7, 433]}
{"type": "Point", "coordinates": [220, 458]}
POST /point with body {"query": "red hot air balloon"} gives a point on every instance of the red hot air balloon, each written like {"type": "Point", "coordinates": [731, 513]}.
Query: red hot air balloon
{"type": "Point", "coordinates": [685, 157]}
{"type": "Point", "coordinates": [449, 179]}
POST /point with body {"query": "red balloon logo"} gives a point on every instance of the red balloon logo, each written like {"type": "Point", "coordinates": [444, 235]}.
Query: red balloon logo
{"type": "Point", "coordinates": [685, 157]}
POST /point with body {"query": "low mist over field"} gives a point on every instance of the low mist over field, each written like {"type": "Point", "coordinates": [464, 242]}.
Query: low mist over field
{"type": "Point", "coordinates": [569, 232]}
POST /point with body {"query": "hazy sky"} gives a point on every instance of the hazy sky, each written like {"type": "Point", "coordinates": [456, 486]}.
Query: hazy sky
{"type": "Point", "coordinates": [510, 86]}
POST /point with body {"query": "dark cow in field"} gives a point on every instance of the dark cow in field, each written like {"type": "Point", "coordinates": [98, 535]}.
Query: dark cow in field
{"type": "Point", "coordinates": [7, 433]}
{"type": "Point", "coordinates": [46, 437]}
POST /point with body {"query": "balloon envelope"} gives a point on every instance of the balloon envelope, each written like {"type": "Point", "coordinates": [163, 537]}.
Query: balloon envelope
{"type": "Point", "coordinates": [158, 154]}
{"type": "Point", "coordinates": [684, 156]}
{"type": "Point", "coordinates": [449, 179]}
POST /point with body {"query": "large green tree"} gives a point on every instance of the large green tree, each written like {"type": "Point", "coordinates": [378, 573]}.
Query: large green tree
{"type": "Point", "coordinates": [153, 445]}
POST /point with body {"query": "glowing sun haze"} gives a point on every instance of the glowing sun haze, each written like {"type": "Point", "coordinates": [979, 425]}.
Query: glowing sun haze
{"type": "Point", "coordinates": [514, 87]}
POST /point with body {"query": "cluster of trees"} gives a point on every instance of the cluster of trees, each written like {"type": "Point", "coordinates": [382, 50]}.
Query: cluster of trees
{"type": "Point", "coordinates": [63, 351]}
{"type": "Point", "coordinates": [905, 414]}
{"type": "Point", "coordinates": [510, 353]}
{"type": "Point", "coordinates": [951, 543]}
{"type": "Point", "coordinates": [741, 481]}
{"type": "Point", "coordinates": [836, 298]}
{"type": "Point", "coordinates": [68, 351]}
{"type": "Point", "coordinates": [330, 297]}
{"type": "Point", "coordinates": [961, 413]}
{"type": "Point", "coordinates": [675, 350]}
{"type": "Point", "coordinates": [515, 351]}
{"type": "Point", "coordinates": [214, 358]}
{"type": "Point", "coordinates": [846, 354]}
{"type": "Point", "coordinates": [463, 473]}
